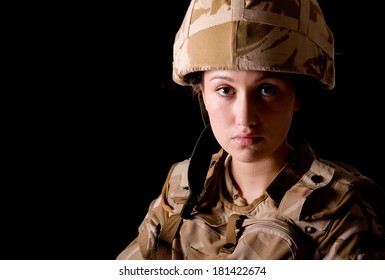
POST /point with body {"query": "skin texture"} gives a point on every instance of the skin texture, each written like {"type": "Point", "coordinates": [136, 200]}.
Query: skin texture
{"type": "Point", "coordinates": [250, 114]}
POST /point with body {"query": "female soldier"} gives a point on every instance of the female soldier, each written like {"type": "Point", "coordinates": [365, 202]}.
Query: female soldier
{"type": "Point", "coordinates": [258, 196]}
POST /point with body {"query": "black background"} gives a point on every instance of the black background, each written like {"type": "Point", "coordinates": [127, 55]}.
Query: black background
{"type": "Point", "coordinates": [92, 120]}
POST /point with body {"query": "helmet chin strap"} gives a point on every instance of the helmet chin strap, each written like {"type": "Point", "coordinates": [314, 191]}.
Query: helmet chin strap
{"type": "Point", "coordinates": [204, 114]}
{"type": "Point", "coordinates": [200, 161]}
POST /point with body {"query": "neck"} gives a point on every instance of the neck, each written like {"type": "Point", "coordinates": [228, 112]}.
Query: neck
{"type": "Point", "coordinates": [252, 179]}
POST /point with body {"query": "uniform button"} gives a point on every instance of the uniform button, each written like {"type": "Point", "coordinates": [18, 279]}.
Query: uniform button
{"type": "Point", "coordinates": [309, 229]}
{"type": "Point", "coordinates": [317, 179]}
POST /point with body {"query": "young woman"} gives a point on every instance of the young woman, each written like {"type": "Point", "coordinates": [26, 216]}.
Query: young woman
{"type": "Point", "coordinates": [247, 192]}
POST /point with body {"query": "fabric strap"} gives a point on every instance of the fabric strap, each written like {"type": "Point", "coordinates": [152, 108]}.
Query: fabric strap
{"type": "Point", "coordinates": [166, 236]}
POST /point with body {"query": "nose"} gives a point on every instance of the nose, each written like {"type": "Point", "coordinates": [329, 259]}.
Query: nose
{"type": "Point", "coordinates": [245, 110]}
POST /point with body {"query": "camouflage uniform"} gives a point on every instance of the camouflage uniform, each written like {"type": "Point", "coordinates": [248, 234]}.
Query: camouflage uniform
{"type": "Point", "coordinates": [314, 209]}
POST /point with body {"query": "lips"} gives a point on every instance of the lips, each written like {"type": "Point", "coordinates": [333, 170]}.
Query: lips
{"type": "Point", "coordinates": [246, 139]}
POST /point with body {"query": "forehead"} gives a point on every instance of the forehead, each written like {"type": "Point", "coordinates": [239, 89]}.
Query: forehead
{"type": "Point", "coordinates": [247, 74]}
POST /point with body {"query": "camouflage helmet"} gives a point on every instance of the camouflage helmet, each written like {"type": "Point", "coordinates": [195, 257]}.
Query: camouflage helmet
{"type": "Point", "coordinates": [288, 36]}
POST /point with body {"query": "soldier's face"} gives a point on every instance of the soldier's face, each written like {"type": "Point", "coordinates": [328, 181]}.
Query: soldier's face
{"type": "Point", "coordinates": [250, 111]}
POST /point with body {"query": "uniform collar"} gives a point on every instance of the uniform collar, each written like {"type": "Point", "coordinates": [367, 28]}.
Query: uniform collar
{"type": "Point", "coordinates": [297, 166]}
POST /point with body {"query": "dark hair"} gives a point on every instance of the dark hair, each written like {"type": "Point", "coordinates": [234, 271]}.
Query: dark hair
{"type": "Point", "coordinates": [194, 79]}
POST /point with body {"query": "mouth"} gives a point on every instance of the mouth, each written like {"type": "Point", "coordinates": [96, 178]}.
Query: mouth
{"type": "Point", "coordinates": [247, 140]}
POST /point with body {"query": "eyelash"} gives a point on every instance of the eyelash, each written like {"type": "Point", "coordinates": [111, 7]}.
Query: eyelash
{"type": "Point", "coordinates": [272, 90]}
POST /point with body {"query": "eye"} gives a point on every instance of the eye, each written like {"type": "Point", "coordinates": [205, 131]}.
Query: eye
{"type": "Point", "coordinates": [225, 91]}
{"type": "Point", "coordinates": [268, 90]}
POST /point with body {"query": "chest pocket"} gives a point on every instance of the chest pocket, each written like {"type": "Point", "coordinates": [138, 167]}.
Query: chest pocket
{"type": "Point", "coordinates": [271, 237]}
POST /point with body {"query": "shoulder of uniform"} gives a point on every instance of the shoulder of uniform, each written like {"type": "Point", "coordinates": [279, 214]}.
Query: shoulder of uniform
{"type": "Point", "coordinates": [323, 186]}
{"type": "Point", "coordinates": [347, 174]}
{"type": "Point", "coordinates": [177, 189]}
{"type": "Point", "coordinates": [332, 184]}
{"type": "Point", "coordinates": [322, 172]}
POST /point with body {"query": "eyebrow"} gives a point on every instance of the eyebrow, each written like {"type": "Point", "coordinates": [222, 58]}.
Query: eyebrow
{"type": "Point", "coordinates": [221, 77]}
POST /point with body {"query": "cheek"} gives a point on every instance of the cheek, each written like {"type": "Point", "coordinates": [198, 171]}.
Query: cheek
{"type": "Point", "coordinates": [288, 106]}
{"type": "Point", "coordinates": [221, 116]}
{"type": "Point", "coordinates": [215, 115]}
{"type": "Point", "coordinates": [217, 110]}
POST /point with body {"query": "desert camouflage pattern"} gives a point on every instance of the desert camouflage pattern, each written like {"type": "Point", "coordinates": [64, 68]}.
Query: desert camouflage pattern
{"type": "Point", "coordinates": [288, 36]}
{"type": "Point", "coordinates": [314, 209]}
